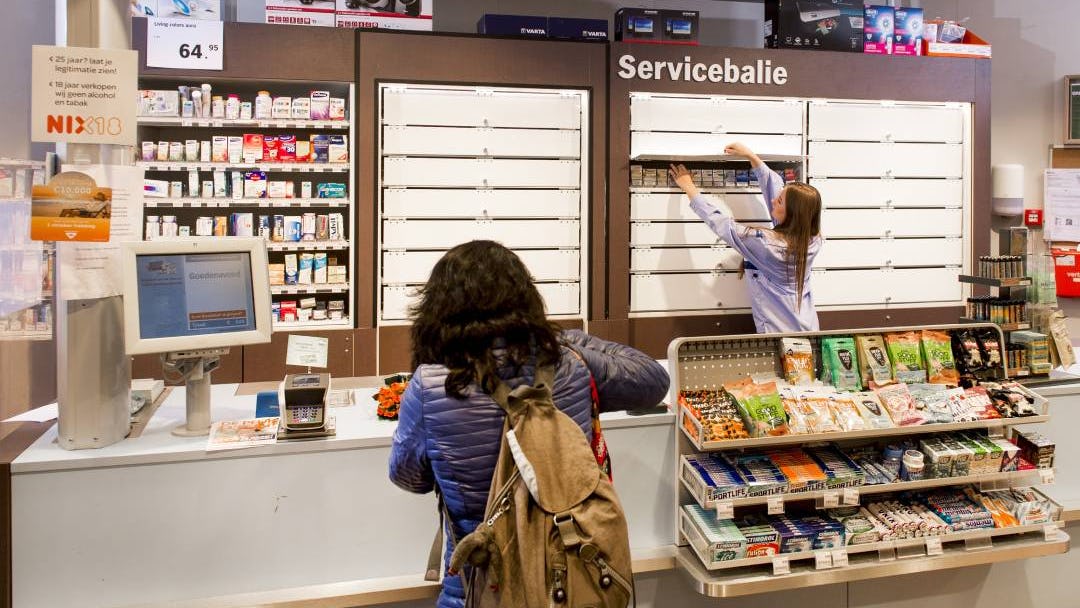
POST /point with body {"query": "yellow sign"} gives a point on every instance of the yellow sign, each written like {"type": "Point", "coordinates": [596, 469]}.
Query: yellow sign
{"type": "Point", "coordinates": [71, 207]}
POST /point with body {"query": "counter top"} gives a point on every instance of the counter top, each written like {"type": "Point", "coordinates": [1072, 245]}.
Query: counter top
{"type": "Point", "coordinates": [357, 428]}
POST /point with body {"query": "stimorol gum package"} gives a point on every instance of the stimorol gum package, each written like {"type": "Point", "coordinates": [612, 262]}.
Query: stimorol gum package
{"type": "Point", "coordinates": [838, 357]}
{"type": "Point", "coordinates": [873, 360]}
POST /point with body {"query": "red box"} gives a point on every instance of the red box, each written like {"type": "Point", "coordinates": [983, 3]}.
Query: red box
{"type": "Point", "coordinates": [1033, 218]}
{"type": "Point", "coordinates": [1067, 272]}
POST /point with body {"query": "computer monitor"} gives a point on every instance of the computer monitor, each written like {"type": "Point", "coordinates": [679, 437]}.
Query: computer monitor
{"type": "Point", "coordinates": [190, 299]}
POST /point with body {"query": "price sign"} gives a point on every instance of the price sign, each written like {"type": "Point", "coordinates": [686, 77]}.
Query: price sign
{"type": "Point", "coordinates": [781, 565]}
{"type": "Point", "coordinates": [831, 499]}
{"type": "Point", "coordinates": [776, 505]}
{"type": "Point", "coordinates": [191, 44]}
{"type": "Point", "coordinates": [839, 558]}
{"type": "Point", "coordinates": [1046, 476]}
{"type": "Point", "coordinates": [725, 509]}
{"type": "Point", "coordinates": [933, 545]}
{"type": "Point", "coordinates": [822, 560]}
{"type": "Point", "coordinates": [851, 496]}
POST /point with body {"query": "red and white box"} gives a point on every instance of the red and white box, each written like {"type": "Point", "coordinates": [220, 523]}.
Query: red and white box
{"type": "Point", "coordinates": [385, 14]}
{"type": "Point", "coordinates": [301, 12]}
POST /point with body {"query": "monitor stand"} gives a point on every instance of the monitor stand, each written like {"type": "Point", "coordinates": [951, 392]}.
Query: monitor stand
{"type": "Point", "coordinates": [194, 367]}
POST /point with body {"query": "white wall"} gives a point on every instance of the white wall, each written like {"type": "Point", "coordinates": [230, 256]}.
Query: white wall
{"type": "Point", "coordinates": [24, 23]}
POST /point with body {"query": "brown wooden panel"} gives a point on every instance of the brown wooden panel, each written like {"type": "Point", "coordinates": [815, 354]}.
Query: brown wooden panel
{"type": "Point", "coordinates": [395, 350]}
{"type": "Point", "coordinates": [1065, 158]}
{"type": "Point", "coordinates": [980, 162]}
{"type": "Point", "coordinates": [474, 60]}
{"type": "Point", "coordinates": [27, 375]}
{"type": "Point", "coordinates": [616, 331]}
{"type": "Point", "coordinates": [14, 438]}
{"type": "Point", "coordinates": [230, 371]}
{"type": "Point", "coordinates": [365, 361]}
{"type": "Point", "coordinates": [653, 334]}
{"type": "Point", "coordinates": [266, 362]}
{"type": "Point", "coordinates": [270, 52]}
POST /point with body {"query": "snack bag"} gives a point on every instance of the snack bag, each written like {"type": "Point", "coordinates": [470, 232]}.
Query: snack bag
{"type": "Point", "coordinates": [838, 356]}
{"type": "Point", "coordinates": [937, 350]}
{"type": "Point", "coordinates": [873, 360]}
{"type": "Point", "coordinates": [898, 402]}
{"type": "Point", "coordinates": [989, 348]}
{"type": "Point", "coordinates": [815, 407]}
{"type": "Point", "coordinates": [872, 411]}
{"type": "Point", "coordinates": [846, 413]}
{"type": "Point", "coordinates": [761, 408]}
{"type": "Point", "coordinates": [798, 360]}
{"type": "Point", "coordinates": [906, 356]}
{"type": "Point", "coordinates": [933, 401]}
{"type": "Point", "coordinates": [797, 422]}
{"type": "Point", "coordinates": [717, 412]}
{"type": "Point", "coordinates": [966, 352]}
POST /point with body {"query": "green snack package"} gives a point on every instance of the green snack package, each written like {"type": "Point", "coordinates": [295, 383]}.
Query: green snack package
{"type": "Point", "coordinates": [937, 347]}
{"type": "Point", "coordinates": [838, 356]}
{"type": "Point", "coordinates": [761, 407]}
{"type": "Point", "coordinates": [906, 355]}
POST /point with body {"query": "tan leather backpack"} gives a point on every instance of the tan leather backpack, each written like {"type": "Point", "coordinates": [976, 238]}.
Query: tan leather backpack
{"type": "Point", "coordinates": [554, 533]}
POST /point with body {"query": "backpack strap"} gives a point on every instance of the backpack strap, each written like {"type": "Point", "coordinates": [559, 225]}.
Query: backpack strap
{"type": "Point", "coordinates": [434, 563]}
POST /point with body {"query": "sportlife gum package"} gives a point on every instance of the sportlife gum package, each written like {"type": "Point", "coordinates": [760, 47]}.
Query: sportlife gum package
{"type": "Point", "coordinates": [906, 356]}
{"type": "Point", "coordinates": [872, 411]}
{"type": "Point", "coordinates": [798, 360]}
{"type": "Point", "coordinates": [874, 360]}
{"type": "Point", "coordinates": [838, 356]}
{"type": "Point", "coordinates": [940, 365]}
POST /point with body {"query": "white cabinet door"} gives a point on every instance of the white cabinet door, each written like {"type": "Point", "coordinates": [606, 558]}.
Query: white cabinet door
{"type": "Point", "coordinates": [885, 286]}
{"type": "Point", "coordinates": [715, 115]}
{"type": "Point", "coordinates": [842, 121]}
{"type": "Point", "coordinates": [655, 234]}
{"type": "Point", "coordinates": [890, 192]}
{"type": "Point", "coordinates": [545, 264]}
{"type": "Point", "coordinates": [860, 159]}
{"type": "Point", "coordinates": [472, 108]}
{"type": "Point", "coordinates": [473, 141]}
{"type": "Point", "coordinates": [652, 145]}
{"type": "Point", "coordinates": [670, 206]}
{"type": "Point", "coordinates": [891, 222]}
{"type": "Point", "coordinates": [692, 291]}
{"type": "Point", "coordinates": [481, 172]}
{"type": "Point", "coordinates": [443, 234]}
{"type": "Point", "coordinates": [864, 253]}
{"type": "Point", "coordinates": [559, 299]}
{"type": "Point", "coordinates": [433, 202]}
{"type": "Point", "coordinates": [684, 259]}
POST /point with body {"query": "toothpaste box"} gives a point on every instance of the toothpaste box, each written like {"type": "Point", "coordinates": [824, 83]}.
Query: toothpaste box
{"type": "Point", "coordinates": [879, 29]}
{"type": "Point", "coordinates": [908, 36]}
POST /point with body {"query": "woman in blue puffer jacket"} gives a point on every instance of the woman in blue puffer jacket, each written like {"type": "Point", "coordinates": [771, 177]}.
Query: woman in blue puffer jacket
{"type": "Point", "coordinates": [479, 320]}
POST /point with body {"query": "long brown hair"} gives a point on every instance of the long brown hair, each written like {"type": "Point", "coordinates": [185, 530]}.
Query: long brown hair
{"type": "Point", "coordinates": [802, 222]}
{"type": "Point", "coordinates": [479, 299]}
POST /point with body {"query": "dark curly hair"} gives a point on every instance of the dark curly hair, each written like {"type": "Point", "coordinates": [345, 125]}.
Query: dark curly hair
{"type": "Point", "coordinates": [480, 297]}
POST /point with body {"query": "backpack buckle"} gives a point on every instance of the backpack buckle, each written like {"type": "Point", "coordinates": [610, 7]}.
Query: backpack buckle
{"type": "Point", "coordinates": [567, 529]}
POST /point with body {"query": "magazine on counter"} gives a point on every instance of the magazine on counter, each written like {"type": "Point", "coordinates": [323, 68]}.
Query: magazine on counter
{"type": "Point", "coordinates": [232, 434]}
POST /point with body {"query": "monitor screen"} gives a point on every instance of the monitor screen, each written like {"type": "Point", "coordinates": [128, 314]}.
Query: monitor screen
{"type": "Point", "coordinates": [182, 295]}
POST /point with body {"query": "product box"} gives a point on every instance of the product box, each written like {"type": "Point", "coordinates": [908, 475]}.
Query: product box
{"type": "Point", "coordinates": [385, 14]}
{"type": "Point", "coordinates": [639, 25]}
{"type": "Point", "coordinates": [271, 151]}
{"type": "Point", "coordinates": [236, 149]}
{"type": "Point", "coordinates": [680, 27]}
{"type": "Point", "coordinates": [718, 539]}
{"type": "Point", "coordinates": [301, 12]}
{"type": "Point", "coordinates": [712, 478]}
{"type": "Point", "coordinates": [338, 149]}
{"type": "Point", "coordinates": [1035, 448]}
{"type": "Point", "coordinates": [831, 25]}
{"type": "Point", "coordinates": [303, 151]}
{"type": "Point", "coordinates": [319, 105]}
{"type": "Point", "coordinates": [761, 539]}
{"type": "Point", "coordinates": [159, 103]}
{"type": "Point", "coordinates": [566, 28]}
{"type": "Point", "coordinates": [320, 148]}
{"type": "Point", "coordinates": [879, 28]}
{"type": "Point", "coordinates": [254, 184]}
{"type": "Point", "coordinates": [527, 26]}
{"type": "Point", "coordinates": [320, 267]}
{"type": "Point", "coordinates": [908, 31]}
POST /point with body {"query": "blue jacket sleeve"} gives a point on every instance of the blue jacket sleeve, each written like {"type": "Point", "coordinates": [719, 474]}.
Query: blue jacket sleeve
{"type": "Point", "coordinates": [410, 468]}
{"type": "Point", "coordinates": [626, 378]}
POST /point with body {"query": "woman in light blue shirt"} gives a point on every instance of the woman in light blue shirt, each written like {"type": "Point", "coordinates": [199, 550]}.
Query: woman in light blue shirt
{"type": "Point", "coordinates": [777, 261]}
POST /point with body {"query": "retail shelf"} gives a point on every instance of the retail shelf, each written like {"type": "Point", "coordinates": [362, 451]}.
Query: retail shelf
{"type": "Point", "coordinates": [674, 190]}
{"type": "Point", "coordinates": [302, 289]}
{"type": "Point", "coordinates": [902, 546]}
{"type": "Point", "coordinates": [308, 246]}
{"type": "Point", "coordinates": [277, 123]}
{"type": "Point", "coordinates": [25, 335]}
{"type": "Point", "coordinates": [320, 324]}
{"type": "Point", "coordinates": [864, 565]}
{"type": "Point", "coordinates": [921, 429]}
{"type": "Point", "coordinates": [285, 167]}
{"type": "Point", "coordinates": [1012, 282]}
{"type": "Point", "coordinates": [246, 202]}
{"type": "Point", "coordinates": [693, 158]}
{"type": "Point", "coordinates": [693, 483]}
{"type": "Point", "coordinates": [1003, 326]}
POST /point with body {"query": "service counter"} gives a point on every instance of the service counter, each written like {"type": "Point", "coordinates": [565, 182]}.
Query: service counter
{"type": "Point", "coordinates": [158, 521]}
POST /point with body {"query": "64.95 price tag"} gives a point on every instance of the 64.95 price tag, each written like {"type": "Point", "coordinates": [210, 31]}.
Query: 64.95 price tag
{"type": "Point", "coordinates": [192, 44]}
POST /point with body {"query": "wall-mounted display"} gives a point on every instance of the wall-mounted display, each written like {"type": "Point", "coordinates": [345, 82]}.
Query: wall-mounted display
{"type": "Point", "coordinates": [1072, 109]}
